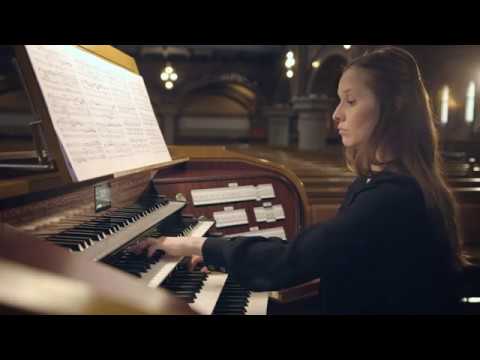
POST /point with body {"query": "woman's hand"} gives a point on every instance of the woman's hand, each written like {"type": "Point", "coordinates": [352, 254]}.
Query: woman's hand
{"type": "Point", "coordinates": [195, 261]}
{"type": "Point", "coordinates": [174, 246]}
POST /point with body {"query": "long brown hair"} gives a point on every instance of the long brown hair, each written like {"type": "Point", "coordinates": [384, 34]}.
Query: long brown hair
{"type": "Point", "coordinates": [407, 132]}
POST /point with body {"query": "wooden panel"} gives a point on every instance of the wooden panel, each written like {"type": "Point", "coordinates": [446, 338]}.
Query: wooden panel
{"type": "Point", "coordinates": [321, 213]}
{"type": "Point", "coordinates": [40, 206]}
{"type": "Point", "coordinates": [11, 188]}
{"type": "Point", "coordinates": [114, 56]}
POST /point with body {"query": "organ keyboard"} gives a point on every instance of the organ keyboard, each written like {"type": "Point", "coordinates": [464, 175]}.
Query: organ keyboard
{"type": "Point", "coordinates": [97, 236]}
{"type": "Point", "coordinates": [107, 237]}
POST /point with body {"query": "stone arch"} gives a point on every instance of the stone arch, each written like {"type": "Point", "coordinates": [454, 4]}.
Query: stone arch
{"type": "Point", "coordinates": [218, 109]}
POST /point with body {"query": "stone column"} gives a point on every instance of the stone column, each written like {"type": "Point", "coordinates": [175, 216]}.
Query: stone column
{"type": "Point", "coordinates": [168, 127]}
{"type": "Point", "coordinates": [279, 126]}
{"type": "Point", "coordinates": [166, 118]}
{"type": "Point", "coordinates": [314, 115]}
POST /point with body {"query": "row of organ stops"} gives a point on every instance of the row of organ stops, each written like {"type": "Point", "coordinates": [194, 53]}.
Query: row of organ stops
{"type": "Point", "coordinates": [79, 232]}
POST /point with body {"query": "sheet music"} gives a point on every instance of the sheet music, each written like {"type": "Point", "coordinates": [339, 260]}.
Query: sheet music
{"type": "Point", "coordinates": [101, 112]}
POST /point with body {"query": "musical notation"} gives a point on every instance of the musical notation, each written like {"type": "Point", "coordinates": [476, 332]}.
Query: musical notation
{"type": "Point", "coordinates": [101, 112]}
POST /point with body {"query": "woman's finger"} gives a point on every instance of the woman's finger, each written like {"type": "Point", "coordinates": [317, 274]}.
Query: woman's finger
{"type": "Point", "coordinates": [194, 262]}
{"type": "Point", "coordinates": [157, 245]}
{"type": "Point", "coordinates": [140, 247]}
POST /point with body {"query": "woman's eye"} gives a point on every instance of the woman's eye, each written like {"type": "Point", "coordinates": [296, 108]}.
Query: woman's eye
{"type": "Point", "coordinates": [351, 102]}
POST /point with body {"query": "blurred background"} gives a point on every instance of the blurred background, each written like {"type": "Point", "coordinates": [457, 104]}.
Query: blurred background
{"type": "Point", "coordinates": [264, 94]}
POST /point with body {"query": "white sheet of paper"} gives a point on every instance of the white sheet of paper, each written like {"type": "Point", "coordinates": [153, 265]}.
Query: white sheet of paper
{"type": "Point", "coordinates": [274, 232]}
{"type": "Point", "coordinates": [100, 111]}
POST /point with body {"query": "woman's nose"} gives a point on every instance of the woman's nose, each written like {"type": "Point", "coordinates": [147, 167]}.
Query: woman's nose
{"type": "Point", "coordinates": [337, 116]}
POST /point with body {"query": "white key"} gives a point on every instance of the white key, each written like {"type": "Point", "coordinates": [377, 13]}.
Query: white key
{"type": "Point", "coordinates": [258, 303]}
{"type": "Point", "coordinates": [201, 228]}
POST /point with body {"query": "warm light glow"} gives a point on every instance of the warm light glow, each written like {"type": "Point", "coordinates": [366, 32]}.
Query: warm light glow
{"type": "Point", "coordinates": [471, 89]}
{"type": "Point", "coordinates": [347, 47]}
{"type": "Point", "coordinates": [169, 76]}
{"type": "Point", "coordinates": [444, 107]}
{"type": "Point", "coordinates": [164, 76]}
{"type": "Point", "coordinates": [472, 300]}
{"type": "Point", "coordinates": [316, 64]}
{"type": "Point", "coordinates": [470, 104]}
{"type": "Point", "coordinates": [446, 94]}
{"type": "Point", "coordinates": [290, 55]}
{"type": "Point", "coordinates": [289, 63]}
{"type": "Point", "coordinates": [290, 74]}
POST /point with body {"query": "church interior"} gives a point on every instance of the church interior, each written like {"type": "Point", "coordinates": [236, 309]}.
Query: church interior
{"type": "Point", "coordinates": [233, 117]}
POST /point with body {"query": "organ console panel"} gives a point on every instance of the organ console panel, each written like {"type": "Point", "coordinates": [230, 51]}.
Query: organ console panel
{"type": "Point", "coordinates": [156, 203]}
{"type": "Point", "coordinates": [74, 235]}
{"type": "Point", "coordinates": [273, 197]}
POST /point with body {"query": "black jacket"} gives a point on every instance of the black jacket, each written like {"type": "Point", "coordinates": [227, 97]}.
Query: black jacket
{"type": "Point", "coordinates": [382, 254]}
